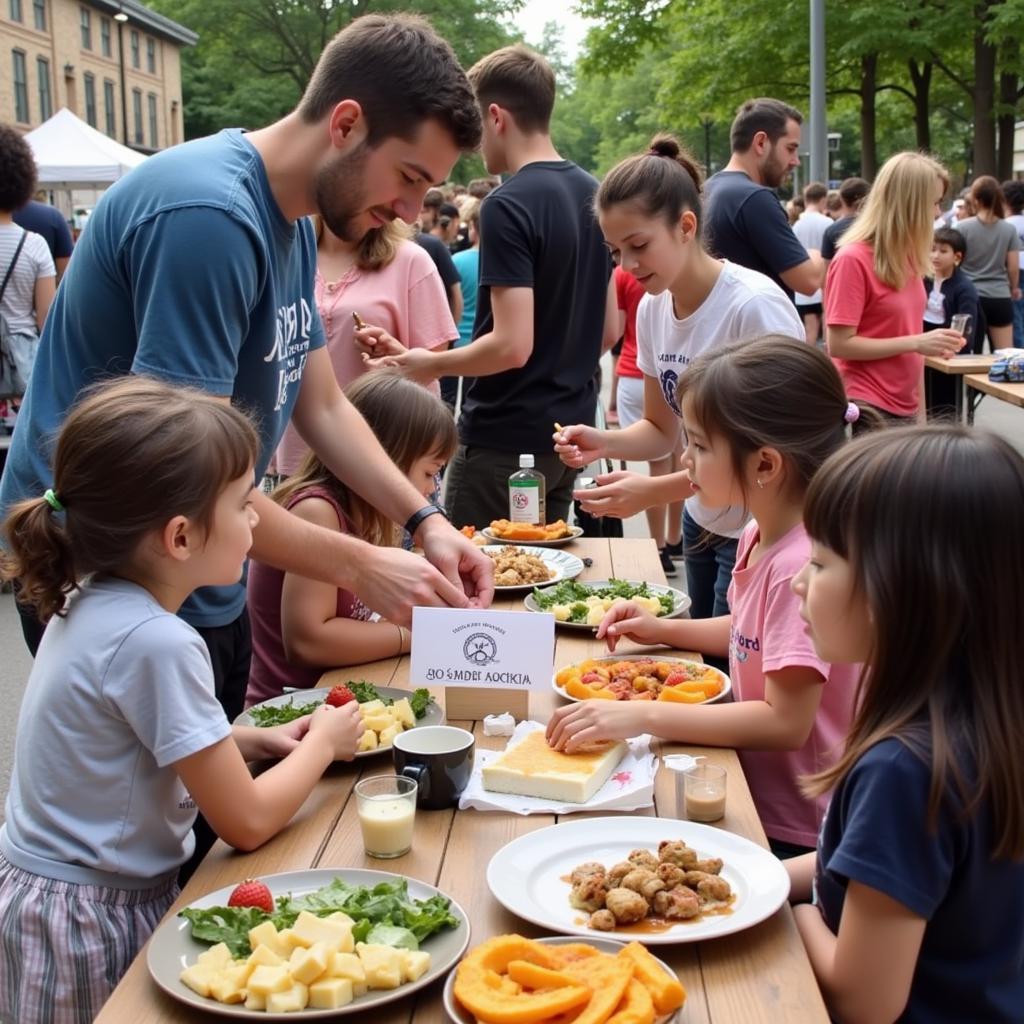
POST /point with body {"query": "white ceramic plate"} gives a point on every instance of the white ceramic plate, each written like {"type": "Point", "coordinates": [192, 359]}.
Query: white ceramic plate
{"type": "Point", "coordinates": [434, 715]}
{"type": "Point", "coordinates": [575, 532]}
{"type": "Point", "coordinates": [526, 875]}
{"type": "Point", "coordinates": [460, 1015]}
{"type": "Point", "coordinates": [172, 947]}
{"type": "Point", "coordinates": [726, 681]}
{"type": "Point", "coordinates": [561, 563]}
{"type": "Point", "coordinates": [681, 599]}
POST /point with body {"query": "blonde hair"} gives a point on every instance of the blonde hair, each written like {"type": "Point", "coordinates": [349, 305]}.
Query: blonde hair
{"type": "Point", "coordinates": [378, 247]}
{"type": "Point", "coordinates": [898, 216]}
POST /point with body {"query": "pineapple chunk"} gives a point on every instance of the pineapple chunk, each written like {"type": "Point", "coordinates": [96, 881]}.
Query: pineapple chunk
{"type": "Point", "coordinates": [402, 713]}
{"type": "Point", "coordinates": [290, 1001]}
{"type": "Point", "coordinates": [371, 707]}
{"type": "Point", "coordinates": [346, 965]}
{"type": "Point", "coordinates": [330, 994]}
{"type": "Point", "coordinates": [198, 978]}
{"type": "Point", "coordinates": [229, 985]}
{"type": "Point", "coordinates": [387, 736]}
{"type": "Point", "coordinates": [267, 935]}
{"type": "Point", "coordinates": [415, 963]}
{"type": "Point", "coordinates": [383, 965]}
{"type": "Point", "coordinates": [368, 741]}
{"type": "Point", "coordinates": [254, 1001]}
{"type": "Point", "coordinates": [215, 957]}
{"type": "Point", "coordinates": [306, 965]}
{"type": "Point", "coordinates": [336, 934]}
{"type": "Point", "coordinates": [377, 722]}
{"type": "Point", "coordinates": [339, 915]}
{"type": "Point", "coordinates": [267, 980]}
{"type": "Point", "coordinates": [289, 940]}
{"type": "Point", "coordinates": [263, 955]}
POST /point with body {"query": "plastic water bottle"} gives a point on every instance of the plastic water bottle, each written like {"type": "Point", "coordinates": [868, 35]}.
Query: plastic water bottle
{"type": "Point", "coordinates": [526, 494]}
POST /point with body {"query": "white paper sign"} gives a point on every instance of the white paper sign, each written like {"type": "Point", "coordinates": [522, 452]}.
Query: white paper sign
{"type": "Point", "coordinates": [486, 649]}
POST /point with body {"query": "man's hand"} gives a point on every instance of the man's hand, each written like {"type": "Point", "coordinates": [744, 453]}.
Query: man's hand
{"type": "Point", "coordinates": [417, 364]}
{"type": "Point", "coordinates": [461, 561]}
{"type": "Point", "coordinates": [620, 494]}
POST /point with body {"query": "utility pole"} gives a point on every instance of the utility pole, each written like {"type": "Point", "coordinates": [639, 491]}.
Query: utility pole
{"type": "Point", "coordinates": [819, 141]}
{"type": "Point", "coordinates": [121, 18]}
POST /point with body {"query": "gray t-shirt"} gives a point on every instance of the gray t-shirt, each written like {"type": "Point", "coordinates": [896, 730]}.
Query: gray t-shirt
{"type": "Point", "coordinates": [985, 262]}
{"type": "Point", "coordinates": [120, 690]}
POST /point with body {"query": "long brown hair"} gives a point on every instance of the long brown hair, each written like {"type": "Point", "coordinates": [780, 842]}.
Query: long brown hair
{"type": "Point", "coordinates": [378, 247]}
{"type": "Point", "coordinates": [409, 422]}
{"type": "Point", "coordinates": [987, 194]}
{"type": "Point", "coordinates": [931, 520]}
{"type": "Point", "coordinates": [132, 454]}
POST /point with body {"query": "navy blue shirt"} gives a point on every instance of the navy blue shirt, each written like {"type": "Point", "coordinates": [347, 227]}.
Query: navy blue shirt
{"type": "Point", "coordinates": [960, 296]}
{"type": "Point", "coordinates": [187, 271]}
{"type": "Point", "coordinates": [744, 223]}
{"type": "Point", "coordinates": [971, 964]}
{"type": "Point", "coordinates": [49, 222]}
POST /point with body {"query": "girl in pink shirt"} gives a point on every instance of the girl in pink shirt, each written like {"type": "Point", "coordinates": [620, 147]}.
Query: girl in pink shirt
{"type": "Point", "coordinates": [874, 303]}
{"type": "Point", "coordinates": [759, 418]}
{"type": "Point", "coordinates": [300, 627]}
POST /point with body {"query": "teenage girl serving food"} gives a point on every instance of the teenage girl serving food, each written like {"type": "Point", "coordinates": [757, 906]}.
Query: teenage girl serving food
{"type": "Point", "coordinates": [120, 736]}
{"type": "Point", "coordinates": [918, 879]}
{"type": "Point", "coordinates": [759, 418]}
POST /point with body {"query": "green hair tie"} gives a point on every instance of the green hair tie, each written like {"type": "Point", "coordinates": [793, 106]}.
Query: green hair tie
{"type": "Point", "coordinates": [52, 500]}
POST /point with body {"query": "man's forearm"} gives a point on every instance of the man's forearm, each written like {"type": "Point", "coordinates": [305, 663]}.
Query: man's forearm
{"type": "Point", "coordinates": [488, 354]}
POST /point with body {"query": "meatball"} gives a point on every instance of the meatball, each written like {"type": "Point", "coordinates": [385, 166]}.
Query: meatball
{"type": "Point", "coordinates": [710, 888]}
{"type": "Point", "coordinates": [592, 867]}
{"type": "Point", "coordinates": [603, 920]}
{"type": "Point", "coordinates": [643, 859]}
{"type": "Point", "coordinates": [589, 893]}
{"type": "Point", "coordinates": [627, 906]}
{"type": "Point", "coordinates": [670, 874]}
{"type": "Point", "coordinates": [711, 866]}
{"type": "Point", "coordinates": [675, 851]}
{"type": "Point", "coordinates": [637, 878]}
{"type": "Point", "coordinates": [618, 872]}
{"type": "Point", "coordinates": [677, 904]}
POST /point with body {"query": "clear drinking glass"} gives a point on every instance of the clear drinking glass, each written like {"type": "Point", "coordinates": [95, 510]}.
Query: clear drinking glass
{"type": "Point", "coordinates": [704, 788]}
{"type": "Point", "coordinates": [387, 812]}
{"type": "Point", "coordinates": [961, 323]}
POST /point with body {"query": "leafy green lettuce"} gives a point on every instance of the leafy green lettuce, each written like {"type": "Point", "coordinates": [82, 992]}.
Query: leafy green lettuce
{"type": "Point", "coordinates": [575, 594]}
{"type": "Point", "coordinates": [363, 691]}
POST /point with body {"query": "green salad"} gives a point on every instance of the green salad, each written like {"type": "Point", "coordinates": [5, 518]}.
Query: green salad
{"type": "Point", "coordinates": [383, 913]}
{"type": "Point", "coordinates": [268, 715]}
{"type": "Point", "coordinates": [582, 603]}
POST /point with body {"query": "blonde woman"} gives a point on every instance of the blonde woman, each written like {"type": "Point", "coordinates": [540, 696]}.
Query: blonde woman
{"type": "Point", "coordinates": [874, 302]}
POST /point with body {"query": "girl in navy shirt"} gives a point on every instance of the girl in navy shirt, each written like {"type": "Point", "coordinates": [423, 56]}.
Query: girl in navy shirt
{"type": "Point", "coordinates": [917, 885]}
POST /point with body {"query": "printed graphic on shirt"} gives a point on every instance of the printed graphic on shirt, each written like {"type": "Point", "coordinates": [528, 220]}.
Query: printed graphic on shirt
{"type": "Point", "coordinates": [740, 645]}
{"type": "Point", "coordinates": [291, 347]}
{"type": "Point", "coordinates": [669, 382]}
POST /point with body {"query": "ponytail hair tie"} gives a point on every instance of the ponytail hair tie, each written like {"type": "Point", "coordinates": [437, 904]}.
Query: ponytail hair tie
{"type": "Point", "coordinates": [52, 500]}
{"type": "Point", "coordinates": [852, 413]}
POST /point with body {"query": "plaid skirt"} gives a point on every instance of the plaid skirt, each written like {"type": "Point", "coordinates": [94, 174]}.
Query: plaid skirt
{"type": "Point", "coordinates": [64, 947]}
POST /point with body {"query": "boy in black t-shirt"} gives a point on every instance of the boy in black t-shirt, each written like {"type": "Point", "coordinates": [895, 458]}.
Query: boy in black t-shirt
{"type": "Point", "coordinates": [545, 307]}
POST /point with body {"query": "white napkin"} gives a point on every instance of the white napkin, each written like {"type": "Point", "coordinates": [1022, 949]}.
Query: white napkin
{"type": "Point", "coordinates": [630, 787]}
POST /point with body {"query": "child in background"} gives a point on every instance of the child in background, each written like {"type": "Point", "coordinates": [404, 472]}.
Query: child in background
{"type": "Point", "coordinates": [759, 418]}
{"type": "Point", "coordinates": [120, 736]}
{"type": "Point", "coordinates": [300, 627]}
{"type": "Point", "coordinates": [918, 879]}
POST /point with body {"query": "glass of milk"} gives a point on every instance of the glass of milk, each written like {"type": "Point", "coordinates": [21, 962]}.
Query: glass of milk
{"type": "Point", "coordinates": [387, 811]}
{"type": "Point", "coordinates": [704, 787]}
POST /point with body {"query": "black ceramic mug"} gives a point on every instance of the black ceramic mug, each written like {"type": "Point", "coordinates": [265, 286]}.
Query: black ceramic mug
{"type": "Point", "coordinates": [439, 758]}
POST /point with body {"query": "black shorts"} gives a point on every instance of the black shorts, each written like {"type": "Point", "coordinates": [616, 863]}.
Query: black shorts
{"type": "Point", "coordinates": [998, 312]}
{"type": "Point", "coordinates": [810, 307]}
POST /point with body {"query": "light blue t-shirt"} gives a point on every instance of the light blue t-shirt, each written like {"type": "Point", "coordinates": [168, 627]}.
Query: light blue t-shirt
{"type": "Point", "coordinates": [120, 690]}
{"type": "Point", "coordinates": [467, 263]}
{"type": "Point", "coordinates": [187, 271]}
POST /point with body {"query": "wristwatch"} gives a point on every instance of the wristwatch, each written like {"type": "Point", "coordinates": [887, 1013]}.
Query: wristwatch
{"type": "Point", "coordinates": [412, 524]}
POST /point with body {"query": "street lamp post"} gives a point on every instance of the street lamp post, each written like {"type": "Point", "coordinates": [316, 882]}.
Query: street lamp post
{"type": "Point", "coordinates": [708, 124]}
{"type": "Point", "coordinates": [121, 18]}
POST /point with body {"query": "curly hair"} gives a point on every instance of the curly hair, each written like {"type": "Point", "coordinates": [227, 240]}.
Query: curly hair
{"type": "Point", "coordinates": [17, 169]}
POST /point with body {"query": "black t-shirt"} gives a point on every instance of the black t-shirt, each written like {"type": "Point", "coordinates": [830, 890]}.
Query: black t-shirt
{"type": "Point", "coordinates": [50, 223]}
{"type": "Point", "coordinates": [438, 252]}
{"type": "Point", "coordinates": [832, 235]}
{"type": "Point", "coordinates": [538, 230]}
{"type": "Point", "coordinates": [744, 223]}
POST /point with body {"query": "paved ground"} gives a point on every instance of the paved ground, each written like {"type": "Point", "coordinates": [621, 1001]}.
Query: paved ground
{"type": "Point", "coordinates": [15, 662]}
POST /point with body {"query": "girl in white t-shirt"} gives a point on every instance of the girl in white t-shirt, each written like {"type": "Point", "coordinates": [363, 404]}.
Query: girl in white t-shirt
{"type": "Point", "coordinates": [120, 736]}
{"type": "Point", "coordinates": [649, 208]}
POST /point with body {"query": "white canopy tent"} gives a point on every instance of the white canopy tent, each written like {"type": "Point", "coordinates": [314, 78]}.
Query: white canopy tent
{"type": "Point", "coordinates": [71, 154]}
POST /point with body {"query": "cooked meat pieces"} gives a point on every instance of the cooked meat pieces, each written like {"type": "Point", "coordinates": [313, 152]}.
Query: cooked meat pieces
{"type": "Point", "coordinates": [711, 888]}
{"type": "Point", "coordinates": [643, 859]}
{"type": "Point", "coordinates": [589, 893]}
{"type": "Point", "coordinates": [581, 871]}
{"type": "Point", "coordinates": [679, 903]}
{"type": "Point", "coordinates": [603, 921]}
{"type": "Point", "coordinates": [711, 866]}
{"type": "Point", "coordinates": [645, 882]}
{"type": "Point", "coordinates": [513, 567]}
{"type": "Point", "coordinates": [671, 874]}
{"type": "Point", "coordinates": [627, 906]}
{"type": "Point", "coordinates": [619, 871]}
{"type": "Point", "coordinates": [675, 851]}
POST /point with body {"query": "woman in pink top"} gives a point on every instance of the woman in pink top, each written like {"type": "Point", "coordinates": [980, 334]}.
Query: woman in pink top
{"type": "Point", "coordinates": [874, 303]}
{"type": "Point", "coordinates": [759, 418]}
{"type": "Point", "coordinates": [300, 627]}
{"type": "Point", "coordinates": [394, 287]}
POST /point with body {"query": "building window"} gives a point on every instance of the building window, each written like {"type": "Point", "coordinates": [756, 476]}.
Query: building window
{"type": "Point", "coordinates": [135, 48]}
{"type": "Point", "coordinates": [39, 14]}
{"type": "Point", "coordinates": [20, 88]}
{"type": "Point", "coordinates": [86, 22]}
{"type": "Point", "coordinates": [137, 111]}
{"type": "Point", "coordinates": [15, 8]}
{"type": "Point", "coordinates": [151, 55]}
{"type": "Point", "coordinates": [154, 137]}
{"type": "Point", "coordinates": [105, 47]}
{"type": "Point", "coordinates": [45, 98]}
{"type": "Point", "coordinates": [90, 98]}
{"type": "Point", "coordinates": [108, 104]}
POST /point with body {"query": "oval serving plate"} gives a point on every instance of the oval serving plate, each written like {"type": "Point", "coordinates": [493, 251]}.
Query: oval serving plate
{"type": "Point", "coordinates": [681, 599]}
{"type": "Point", "coordinates": [726, 681]}
{"type": "Point", "coordinates": [564, 565]}
{"type": "Point", "coordinates": [575, 532]}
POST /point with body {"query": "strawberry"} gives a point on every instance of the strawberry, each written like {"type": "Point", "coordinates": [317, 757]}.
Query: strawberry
{"type": "Point", "coordinates": [252, 893]}
{"type": "Point", "coordinates": [340, 696]}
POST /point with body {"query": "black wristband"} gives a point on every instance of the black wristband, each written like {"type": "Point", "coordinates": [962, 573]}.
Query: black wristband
{"type": "Point", "coordinates": [413, 522]}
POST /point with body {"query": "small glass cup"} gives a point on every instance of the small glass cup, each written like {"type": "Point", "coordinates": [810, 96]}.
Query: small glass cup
{"type": "Point", "coordinates": [704, 790]}
{"type": "Point", "coordinates": [961, 323]}
{"type": "Point", "coordinates": [387, 812]}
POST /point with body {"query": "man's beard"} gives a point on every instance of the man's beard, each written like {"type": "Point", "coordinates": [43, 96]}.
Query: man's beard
{"type": "Point", "coordinates": [773, 172]}
{"type": "Point", "coordinates": [340, 193]}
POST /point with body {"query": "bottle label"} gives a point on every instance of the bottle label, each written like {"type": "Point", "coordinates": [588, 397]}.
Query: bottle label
{"type": "Point", "coordinates": [524, 501]}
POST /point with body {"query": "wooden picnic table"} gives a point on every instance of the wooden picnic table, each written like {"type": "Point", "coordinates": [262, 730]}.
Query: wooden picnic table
{"type": "Point", "coordinates": [758, 975]}
{"type": "Point", "coordinates": [1012, 393]}
{"type": "Point", "coordinates": [961, 367]}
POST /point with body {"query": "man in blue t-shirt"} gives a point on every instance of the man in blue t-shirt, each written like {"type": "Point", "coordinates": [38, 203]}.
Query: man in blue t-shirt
{"type": "Point", "coordinates": [198, 268]}
{"type": "Point", "coordinates": [49, 222]}
{"type": "Point", "coordinates": [743, 221]}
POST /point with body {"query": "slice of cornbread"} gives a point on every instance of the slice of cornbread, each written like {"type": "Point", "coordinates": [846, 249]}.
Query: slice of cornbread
{"type": "Point", "coordinates": [532, 768]}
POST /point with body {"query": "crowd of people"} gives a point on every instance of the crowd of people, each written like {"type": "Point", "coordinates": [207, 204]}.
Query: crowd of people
{"type": "Point", "coordinates": [302, 304]}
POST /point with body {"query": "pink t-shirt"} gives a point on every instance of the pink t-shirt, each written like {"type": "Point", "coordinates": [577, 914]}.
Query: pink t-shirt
{"type": "Point", "coordinates": [271, 671]}
{"type": "Point", "coordinates": [855, 297]}
{"type": "Point", "coordinates": [406, 298]}
{"type": "Point", "coordinates": [768, 635]}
